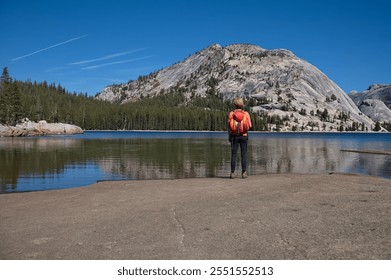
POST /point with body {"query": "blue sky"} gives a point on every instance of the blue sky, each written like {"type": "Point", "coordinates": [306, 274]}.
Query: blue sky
{"type": "Point", "coordinates": [86, 45]}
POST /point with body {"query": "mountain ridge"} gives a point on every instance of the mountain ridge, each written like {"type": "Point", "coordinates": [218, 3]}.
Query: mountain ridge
{"type": "Point", "coordinates": [274, 82]}
{"type": "Point", "coordinates": [375, 102]}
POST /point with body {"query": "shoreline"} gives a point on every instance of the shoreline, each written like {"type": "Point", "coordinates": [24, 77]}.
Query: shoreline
{"type": "Point", "coordinates": [9, 132]}
{"type": "Point", "coordinates": [272, 216]}
{"type": "Point", "coordinates": [251, 131]}
{"type": "Point", "coordinates": [162, 180]}
{"type": "Point", "coordinates": [374, 152]}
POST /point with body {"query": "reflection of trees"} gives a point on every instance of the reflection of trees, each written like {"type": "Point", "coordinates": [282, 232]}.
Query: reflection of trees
{"type": "Point", "coordinates": [167, 158]}
{"type": "Point", "coordinates": [135, 158]}
{"type": "Point", "coordinates": [37, 156]}
{"type": "Point", "coordinates": [125, 158]}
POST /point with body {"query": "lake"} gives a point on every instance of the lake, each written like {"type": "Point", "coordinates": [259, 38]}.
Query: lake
{"type": "Point", "coordinates": [57, 162]}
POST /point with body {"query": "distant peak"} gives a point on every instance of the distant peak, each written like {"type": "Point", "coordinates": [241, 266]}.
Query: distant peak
{"type": "Point", "coordinates": [376, 86]}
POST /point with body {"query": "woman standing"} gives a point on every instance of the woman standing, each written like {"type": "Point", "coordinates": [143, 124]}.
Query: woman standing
{"type": "Point", "coordinates": [239, 122]}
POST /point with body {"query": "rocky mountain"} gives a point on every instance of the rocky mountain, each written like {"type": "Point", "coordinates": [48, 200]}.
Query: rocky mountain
{"type": "Point", "coordinates": [273, 82]}
{"type": "Point", "coordinates": [375, 102]}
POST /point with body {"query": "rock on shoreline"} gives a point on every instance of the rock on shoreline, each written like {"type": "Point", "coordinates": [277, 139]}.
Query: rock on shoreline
{"type": "Point", "coordinates": [30, 128]}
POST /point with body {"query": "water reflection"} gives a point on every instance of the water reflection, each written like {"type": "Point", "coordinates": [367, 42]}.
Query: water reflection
{"type": "Point", "coordinates": [61, 162]}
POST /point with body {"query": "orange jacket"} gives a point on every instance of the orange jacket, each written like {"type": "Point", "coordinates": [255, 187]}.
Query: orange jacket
{"type": "Point", "coordinates": [245, 123]}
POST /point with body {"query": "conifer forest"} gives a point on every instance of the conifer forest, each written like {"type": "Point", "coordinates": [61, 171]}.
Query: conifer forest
{"type": "Point", "coordinates": [169, 111]}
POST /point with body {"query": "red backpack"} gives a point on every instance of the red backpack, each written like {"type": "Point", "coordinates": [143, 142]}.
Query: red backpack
{"type": "Point", "coordinates": [238, 122]}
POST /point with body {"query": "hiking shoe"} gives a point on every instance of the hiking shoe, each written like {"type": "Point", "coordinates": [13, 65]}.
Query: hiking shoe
{"type": "Point", "coordinates": [232, 175]}
{"type": "Point", "coordinates": [244, 175]}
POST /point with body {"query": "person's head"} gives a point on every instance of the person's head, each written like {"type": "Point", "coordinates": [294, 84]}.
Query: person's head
{"type": "Point", "coordinates": [238, 103]}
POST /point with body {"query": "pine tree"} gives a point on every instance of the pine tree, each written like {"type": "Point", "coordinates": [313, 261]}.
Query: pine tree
{"type": "Point", "coordinates": [3, 104]}
{"type": "Point", "coordinates": [5, 81]}
{"type": "Point", "coordinates": [5, 77]}
{"type": "Point", "coordinates": [10, 101]}
{"type": "Point", "coordinates": [377, 126]}
{"type": "Point", "coordinates": [15, 104]}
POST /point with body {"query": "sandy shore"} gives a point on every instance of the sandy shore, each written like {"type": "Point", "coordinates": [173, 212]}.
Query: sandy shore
{"type": "Point", "coordinates": [289, 216]}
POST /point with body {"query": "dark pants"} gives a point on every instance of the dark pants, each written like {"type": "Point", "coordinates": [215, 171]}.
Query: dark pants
{"type": "Point", "coordinates": [237, 141]}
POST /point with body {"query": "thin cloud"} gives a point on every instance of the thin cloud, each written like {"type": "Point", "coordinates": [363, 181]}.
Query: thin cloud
{"type": "Point", "coordinates": [116, 62]}
{"type": "Point", "coordinates": [55, 69]}
{"type": "Point", "coordinates": [50, 47]}
{"type": "Point", "coordinates": [106, 57]}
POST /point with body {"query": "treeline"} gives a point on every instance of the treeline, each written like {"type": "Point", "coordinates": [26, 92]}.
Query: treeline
{"type": "Point", "coordinates": [165, 112]}
{"type": "Point", "coordinates": [169, 111]}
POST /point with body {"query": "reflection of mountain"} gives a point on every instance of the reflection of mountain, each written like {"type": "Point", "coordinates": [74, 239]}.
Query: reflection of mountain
{"type": "Point", "coordinates": [371, 164]}
{"type": "Point", "coordinates": [185, 158]}
{"type": "Point", "coordinates": [168, 158]}
{"type": "Point", "coordinates": [313, 155]}
{"type": "Point", "coordinates": [289, 155]}
{"type": "Point", "coordinates": [152, 158]}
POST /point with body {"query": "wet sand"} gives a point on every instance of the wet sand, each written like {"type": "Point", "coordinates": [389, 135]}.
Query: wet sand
{"type": "Point", "coordinates": [290, 216]}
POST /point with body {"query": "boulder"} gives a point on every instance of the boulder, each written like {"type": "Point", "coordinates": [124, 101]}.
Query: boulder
{"type": "Point", "coordinates": [31, 128]}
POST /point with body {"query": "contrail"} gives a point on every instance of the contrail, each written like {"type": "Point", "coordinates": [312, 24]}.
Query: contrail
{"type": "Point", "coordinates": [106, 57]}
{"type": "Point", "coordinates": [116, 62]}
{"type": "Point", "coordinates": [53, 46]}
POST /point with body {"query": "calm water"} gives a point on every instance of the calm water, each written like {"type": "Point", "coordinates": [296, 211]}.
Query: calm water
{"type": "Point", "coordinates": [54, 162]}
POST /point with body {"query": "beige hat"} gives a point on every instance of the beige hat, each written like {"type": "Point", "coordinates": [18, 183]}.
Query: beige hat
{"type": "Point", "coordinates": [238, 102]}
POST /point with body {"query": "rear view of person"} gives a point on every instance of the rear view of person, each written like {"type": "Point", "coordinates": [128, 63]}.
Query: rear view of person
{"type": "Point", "coordinates": [239, 122]}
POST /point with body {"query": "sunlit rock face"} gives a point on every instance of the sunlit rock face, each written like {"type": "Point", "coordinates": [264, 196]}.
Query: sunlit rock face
{"type": "Point", "coordinates": [275, 82]}
{"type": "Point", "coordinates": [375, 102]}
